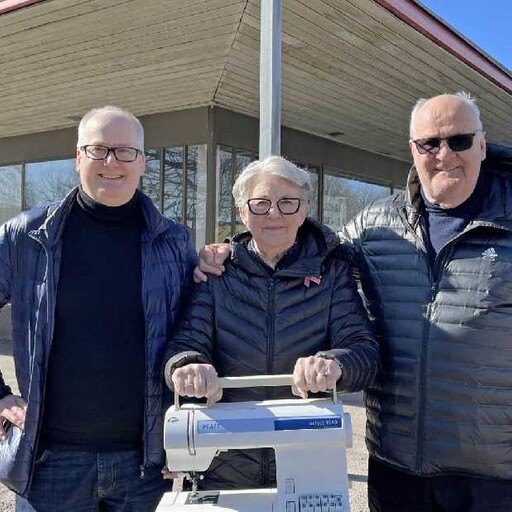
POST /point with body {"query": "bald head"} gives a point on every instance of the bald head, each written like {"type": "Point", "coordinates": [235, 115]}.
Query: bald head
{"type": "Point", "coordinates": [448, 145]}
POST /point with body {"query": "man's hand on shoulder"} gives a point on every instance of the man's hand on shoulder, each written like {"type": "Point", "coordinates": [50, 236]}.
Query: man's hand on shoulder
{"type": "Point", "coordinates": [211, 261]}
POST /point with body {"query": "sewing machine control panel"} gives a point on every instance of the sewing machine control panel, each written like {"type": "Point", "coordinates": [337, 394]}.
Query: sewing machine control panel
{"type": "Point", "coordinates": [317, 503]}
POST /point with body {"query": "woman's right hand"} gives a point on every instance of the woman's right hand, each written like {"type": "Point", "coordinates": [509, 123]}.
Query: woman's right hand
{"type": "Point", "coordinates": [198, 381]}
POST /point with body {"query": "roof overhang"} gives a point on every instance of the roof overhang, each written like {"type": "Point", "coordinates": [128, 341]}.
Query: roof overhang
{"type": "Point", "coordinates": [351, 69]}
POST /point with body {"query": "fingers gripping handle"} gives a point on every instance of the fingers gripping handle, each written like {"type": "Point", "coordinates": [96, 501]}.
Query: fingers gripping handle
{"type": "Point", "coordinates": [253, 381]}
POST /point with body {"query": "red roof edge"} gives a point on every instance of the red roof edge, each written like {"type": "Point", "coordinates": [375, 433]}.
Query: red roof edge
{"type": "Point", "coordinates": [440, 33]}
{"type": "Point", "coordinates": [12, 5]}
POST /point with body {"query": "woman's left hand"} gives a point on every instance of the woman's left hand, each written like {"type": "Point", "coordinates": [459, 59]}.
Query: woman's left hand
{"type": "Point", "coordinates": [314, 374]}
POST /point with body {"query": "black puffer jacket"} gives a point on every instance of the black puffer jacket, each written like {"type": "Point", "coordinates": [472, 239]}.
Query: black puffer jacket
{"type": "Point", "coordinates": [255, 321]}
{"type": "Point", "coordinates": [443, 402]}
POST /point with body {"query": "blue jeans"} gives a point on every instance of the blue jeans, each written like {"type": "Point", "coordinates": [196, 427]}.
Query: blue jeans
{"type": "Point", "coordinates": [94, 482]}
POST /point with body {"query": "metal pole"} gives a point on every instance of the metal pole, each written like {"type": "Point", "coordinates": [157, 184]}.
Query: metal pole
{"type": "Point", "coordinates": [270, 78]}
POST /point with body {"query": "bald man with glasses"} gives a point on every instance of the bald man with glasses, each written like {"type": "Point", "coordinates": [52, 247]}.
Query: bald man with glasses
{"type": "Point", "coordinates": [96, 283]}
{"type": "Point", "coordinates": [435, 266]}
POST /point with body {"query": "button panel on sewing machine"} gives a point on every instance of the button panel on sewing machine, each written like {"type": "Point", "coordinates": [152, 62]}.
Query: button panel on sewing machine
{"type": "Point", "coordinates": [332, 502]}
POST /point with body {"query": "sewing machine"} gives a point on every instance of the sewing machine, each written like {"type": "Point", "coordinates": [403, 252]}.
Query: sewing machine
{"type": "Point", "coordinates": [309, 438]}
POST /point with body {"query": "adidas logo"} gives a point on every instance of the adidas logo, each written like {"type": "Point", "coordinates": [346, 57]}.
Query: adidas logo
{"type": "Point", "coordinates": [490, 254]}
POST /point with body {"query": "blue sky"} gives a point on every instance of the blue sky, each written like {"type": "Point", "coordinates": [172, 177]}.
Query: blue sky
{"type": "Point", "coordinates": [487, 23]}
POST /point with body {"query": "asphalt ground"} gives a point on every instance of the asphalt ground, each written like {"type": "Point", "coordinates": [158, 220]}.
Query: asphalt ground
{"type": "Point", "coordinates": [357, 455]}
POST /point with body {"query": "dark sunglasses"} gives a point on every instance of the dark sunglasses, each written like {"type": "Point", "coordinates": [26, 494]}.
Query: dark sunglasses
{"type": "Point", "coordinates": [432, 145]}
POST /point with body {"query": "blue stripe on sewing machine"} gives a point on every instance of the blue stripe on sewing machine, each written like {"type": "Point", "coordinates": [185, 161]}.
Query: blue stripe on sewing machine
{"type": "Point", "coordinates": [267, 424]}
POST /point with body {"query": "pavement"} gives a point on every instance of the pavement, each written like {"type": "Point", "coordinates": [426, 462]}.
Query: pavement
{"type": "Point", "coordinates": [357, 455]}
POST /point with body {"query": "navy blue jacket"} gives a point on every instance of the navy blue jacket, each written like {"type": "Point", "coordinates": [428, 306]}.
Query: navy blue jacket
{"type": "Point", "coordinates": [30, 253]}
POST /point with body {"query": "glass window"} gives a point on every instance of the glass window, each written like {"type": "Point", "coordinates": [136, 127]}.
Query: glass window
{"type": "Point", "coordinates": [344, 197]}
{"type": "Point", "coordinates": [230, 163]}
{"type": "Point", "coordinates": [173, 183]}
{"type": "Point", "coordinates": [225, 164]}
{"type": "Point", "coordinates": [10, 192]}
{"type": "Point", "coordinates": [181, 194]}
{"type": "Point", "coordinates": [46, 182]}
{"type": "Point", "coordinates": [150, 181]}
{"type": "Point", "coordinates": [242, 159]}
{"type": "Point", "coordinates": [196, 193]}
{"type": "Point", "coordinates": [313, 205]}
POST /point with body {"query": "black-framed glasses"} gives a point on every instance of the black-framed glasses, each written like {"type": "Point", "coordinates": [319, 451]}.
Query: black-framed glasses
{"type": "Point", "coordinates": [286, 205]}
{"type": "Point", "coordinates": [432, 145]}
{"type": "Point", "coordinates": [99, 152]}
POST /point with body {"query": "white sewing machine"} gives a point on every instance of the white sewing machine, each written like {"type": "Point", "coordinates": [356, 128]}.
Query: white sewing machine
{"type": "Point", "coordinates": [309, 437]}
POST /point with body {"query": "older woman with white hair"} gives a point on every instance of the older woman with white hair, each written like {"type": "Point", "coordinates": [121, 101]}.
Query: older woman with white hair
{"type": "Point", "coordinates": [286, 303]}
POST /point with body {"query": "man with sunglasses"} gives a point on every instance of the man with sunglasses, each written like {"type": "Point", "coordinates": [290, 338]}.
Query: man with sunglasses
{"type": "Point", "coordinates": [435, 266]}
{"type": "Point", "coordinates": [96, 282]}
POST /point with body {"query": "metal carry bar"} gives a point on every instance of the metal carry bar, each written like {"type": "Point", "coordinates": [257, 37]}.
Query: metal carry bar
{"type": "Point", "coordinates": [253, 381]}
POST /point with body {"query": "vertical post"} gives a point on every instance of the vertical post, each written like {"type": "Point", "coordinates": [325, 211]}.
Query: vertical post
{"type": "Point", "coordinates": [270, 78]}
{"type": "Point", "coordinates": [211, 179]}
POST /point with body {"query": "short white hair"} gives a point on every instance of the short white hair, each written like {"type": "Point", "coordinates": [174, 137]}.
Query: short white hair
{"type": "Point", "coordinates": [271, 166]}
{"type": "Point", "coordinates": [465, 97]}
{"type": "Point", "coordinates": [109, 109]}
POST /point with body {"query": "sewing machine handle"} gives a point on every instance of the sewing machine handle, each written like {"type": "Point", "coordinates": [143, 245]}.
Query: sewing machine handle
{"type": "Point", "coordinates": [252, 381]}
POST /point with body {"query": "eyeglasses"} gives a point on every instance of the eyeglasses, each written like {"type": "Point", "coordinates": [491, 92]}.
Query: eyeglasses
{"type": "Point", "coordinates": [286, 205]}
{"type": "Point", "coordinates": [432, 145]}
{"type": "Point", "coordinates": [122, 154]}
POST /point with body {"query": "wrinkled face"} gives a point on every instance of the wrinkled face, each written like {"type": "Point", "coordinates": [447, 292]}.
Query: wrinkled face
{"type": "Point", "coordinates": [274, 233]}
{"type": "Point", "coordinates": [447, 177]}
{"type": "Point", "coordinates": [109, 181]}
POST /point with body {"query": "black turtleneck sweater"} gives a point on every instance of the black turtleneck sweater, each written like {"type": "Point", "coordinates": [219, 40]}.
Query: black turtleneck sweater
{"type": "Point", "coordinates": [94, 396]}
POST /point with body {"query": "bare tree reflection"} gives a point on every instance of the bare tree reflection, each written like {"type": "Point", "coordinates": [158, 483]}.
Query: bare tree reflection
{"type": "Point", "coordinates": [343, 198]}
{"type": "Point", "coordinates": [168, 193]}
{"type": "Point", "coordinates": [10, 192]}
{"type": "Point", "coordinates": [46, 182]}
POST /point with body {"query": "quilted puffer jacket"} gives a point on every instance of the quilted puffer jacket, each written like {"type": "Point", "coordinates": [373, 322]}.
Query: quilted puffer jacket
{"type": "Point", "coordinates": [254, 321]}
{"type": "Point", "coordinates": [30, 252]}
{"type": "Point", "coordinates": [443, 401]}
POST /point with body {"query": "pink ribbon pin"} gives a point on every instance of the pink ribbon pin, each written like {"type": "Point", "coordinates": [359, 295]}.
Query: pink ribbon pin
{"type": "Point", "coordinates": [312, 279]}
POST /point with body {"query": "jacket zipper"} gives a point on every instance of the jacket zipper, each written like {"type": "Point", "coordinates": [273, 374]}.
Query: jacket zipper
{"type": "Point", "coordinates": [270, 343]}
{"type": "Point", "coordinates": [146, 359]}
{"type": "Point", "coordinates": [270, 337]}
{"type": "Point", "coordinates": [435, 272]}
{"type": "Point", "coordinates": [423, 366]}
{"type": "Point", "coordinates": [50, 308]}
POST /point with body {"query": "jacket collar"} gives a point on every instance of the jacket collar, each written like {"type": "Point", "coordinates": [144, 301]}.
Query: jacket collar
{"type": "Point", "coordinates": [496, 205]}
{"type": "Point", "coordinates": [316, 240]}
{"type": "Point", "coordinates": [50, 232]}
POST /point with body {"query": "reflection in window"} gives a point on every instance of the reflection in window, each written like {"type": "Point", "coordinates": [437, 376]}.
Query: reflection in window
{"type": "Point", "coordinates": [173, 183]}
{"type": "Point", "coordinates": [46, 182]}
{"type": "Point", "coordinates": [242, 159]}
{"type": "Point", "coordinates": [150, 181]}
{"type": "Point", "coordinates": [225, 181]}
{"type": "Point", "coordinates": [196, 192]}
{"type": "Point", "coordinates": [344, 197]}
{"type": "Point", "coordinates": [230, 163]}
{"type": "Point", "coordinates": [181, 193]}
{"type": "Point", "coordinates": [313, 204]}
{"type": "Point", "coordinates": [10, 192]}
